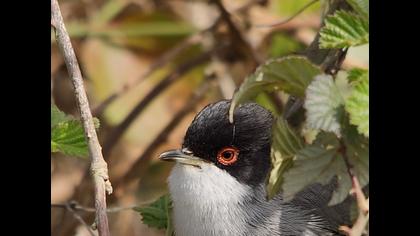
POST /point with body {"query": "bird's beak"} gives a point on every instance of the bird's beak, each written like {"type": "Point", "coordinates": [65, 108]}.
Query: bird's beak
{"type": "Point", "coordinates": [181, 157]}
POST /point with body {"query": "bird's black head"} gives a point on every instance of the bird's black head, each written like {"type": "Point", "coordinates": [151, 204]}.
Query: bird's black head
{"type": "Point", "coordinates": [242, 148]}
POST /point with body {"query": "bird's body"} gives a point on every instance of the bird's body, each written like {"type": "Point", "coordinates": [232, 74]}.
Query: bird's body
{"type": "Point", "coordinates": [218, 186]}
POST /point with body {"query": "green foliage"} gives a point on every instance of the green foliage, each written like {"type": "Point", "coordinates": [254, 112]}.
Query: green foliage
{"type": "Point", "coordinates": [57, 116]}
{"type": "Point", "coordinates": [322, 101]}
{"type": "Point", "coordinates": [358, 103]}
{"type": "Point", "coordinates": [68, 137]}
{"type": "Point", "coordinates": [344, 29]}
{"type": "Point", "coordinates": [336, 106]}
{"type": "Point", "coordinates": [315, 164]}
{"type": "Point", "coordinates": [286, 143]}
{"type": "Point", "coordinates": [283, 44]}
{"type": "Point", "coordinates": [320, 162]}
{"type": "Point", "coordinates": [289, 7]}
{"type": "Point", "coordinates": [157, 214]}
{"type": "Point", "coordinates": [361, 6]}
{"type": "Point", "coordinates": [67, 134]}
{"type": "Point", "coordinates": [291, 74]}
{"type": "Point", "coordinates": [356, 74]}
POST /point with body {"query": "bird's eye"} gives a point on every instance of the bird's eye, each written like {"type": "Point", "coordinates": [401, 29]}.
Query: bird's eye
{"type": "Point", "coordinates": [228, 155]}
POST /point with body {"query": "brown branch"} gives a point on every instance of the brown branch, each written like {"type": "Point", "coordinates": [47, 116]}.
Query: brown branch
{"type": "Point", "coordinates": [98, 165]}
{"type": "Point", "coordinates": [159, 63]}
{"type": "Point", "coordinates": [118, 131]}
{"type": "Point", "coordinates": [85, 184]}
{"type": "Point", "coordinates": [238, 38]}
{"type": "Point", "coordinates": [76, 207]}
{"type": "Point", "coordinates": [249, 4]}
{"type": "Point", "coordinates": [362, 203]}
{"type": "Point", "coordinates": [289, 18]}
{"type": "Point", "coordinates": [165, 58]}
{"type": "Point", "coordinates": [57, 226]}
{"type": "Point", "coordinates": [138, 167]}
{"type": "Point", "coordinates": [79, 218]}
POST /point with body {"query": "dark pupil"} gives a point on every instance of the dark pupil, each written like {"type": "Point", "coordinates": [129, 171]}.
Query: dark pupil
{"type": "Point", "coordinates": [227, 154]}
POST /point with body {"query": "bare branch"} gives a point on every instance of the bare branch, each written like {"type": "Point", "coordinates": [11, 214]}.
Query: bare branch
{"type": "Point", "coordinates": [290, 18]}
{"type": "Point", "coordinates": [80, 219]}
{"type": "Point", "coordinates": [138, 167]}
{"type": "Point", "coordinates": [117, 133]}
{"type": "Point", "coordinates": [238, 38]}
{"type": "Point", "coordinates": [74, 206]}
{"type": "Point", "coordinates": [249, 4]}
{"type": "Point", "coordinates": [159, 63]}
{"type": "Point", "coordinates": [98, 165]}
{"type": "Point", "coordinates": [165, 58]}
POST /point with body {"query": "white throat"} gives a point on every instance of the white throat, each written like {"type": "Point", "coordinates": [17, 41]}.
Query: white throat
{"type": "Point", "coordinates": [206, 201]}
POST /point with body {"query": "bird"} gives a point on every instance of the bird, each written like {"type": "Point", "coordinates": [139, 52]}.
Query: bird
{"type": "Point", "coordinates": [218, 183]}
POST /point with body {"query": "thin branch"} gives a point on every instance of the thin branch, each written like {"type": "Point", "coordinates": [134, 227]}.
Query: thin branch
{"type": "Point", "coordinates": [290, 18]}
{"type": "Point", "coordinates": [57, 226]}
{"type": "Point", "coordinates": [82, 188]}
{"type": "Point", "coordinates": [76, 207]}
{"type": "Point", "coordinates": [238, 38]}
{"type": "Point", "coordinates": [80, 219]}
{"type": "Point", "coordinates": [137, 168]}
{"type": "Point", "coordinates": [98, 165]}
{"type": "Point", "coordinates": [362, 203]}
{"type": "Point", "coordinates": [165, 58]}
{"type": "Point", "coordinates": [248, 5]}
{"type": "Point", "coordinates": [118, 131]}
{"type": "Point", "coordinates": [159, 63]}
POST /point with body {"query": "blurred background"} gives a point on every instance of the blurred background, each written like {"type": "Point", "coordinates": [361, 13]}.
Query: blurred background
{"type": "Point", "coordinates": [149, 66]}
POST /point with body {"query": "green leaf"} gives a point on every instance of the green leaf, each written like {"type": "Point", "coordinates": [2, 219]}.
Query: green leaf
{"type": "Point", "coordinates": [320, 162]}
{"type": "Point", "coordinates": [285, 139]}
{"type": "Point", "coordinates": [157, 214]}
{"type": "Point", "coordinates": [323, 99]}
{"type": "Point", "coordinates": [290, 74]}
{"type": "Point", "coordinates": [57, 116]}
{"type": "Point", "coordinates": [286, 143]}
{"type": "Point", "coordinates": [279, 167]}
{"type": "Point", "coordinates": [67, 134]}
{"type": "Point", "coordinates": [68, 137]}
{"type": "Point", "coordinates": [344, 29]}
{"type": "Point", "coordinates": [315, 164]}
{"type": "Point", "coordinates": [357, 105]}
{"type": "Point", "coordinates": [361, 6]}
{"type": "Point", "coordinates": [357, 74]}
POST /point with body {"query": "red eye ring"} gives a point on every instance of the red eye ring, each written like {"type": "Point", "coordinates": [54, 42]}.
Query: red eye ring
{"type": "Point", "coordinates": [228, 155]}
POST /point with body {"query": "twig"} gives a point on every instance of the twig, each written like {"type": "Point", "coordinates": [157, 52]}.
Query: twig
{"type": "Point", "coordinates": [249, 4]}
{"type": "Point", "coordinates": [80, 219]}
{"type": "Point", "coordinates": [238, 38]}
{"type": "Point", "coordinates": [82, 188]}
{"type": "Point", "coordinates": [76, 207]}
{"type": "Point", "coordinates": [137, 168]}
{"type": "Point", "coordinates": [362, 203]}
{"type": "Point", "coordinates": [117, 133]}
{"type": "Point", "coordinates": [58, 225]}
{"type": "Point", "coordinates": [163, 60]}
{"type": "Point", "coordinates": [98, 165]}
{"type": "Point", "coordinates": [290, 18]}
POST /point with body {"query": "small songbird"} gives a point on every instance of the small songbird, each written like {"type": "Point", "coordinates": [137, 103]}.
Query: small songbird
{"type": "Point", "coordinates": [218, 184]}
